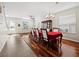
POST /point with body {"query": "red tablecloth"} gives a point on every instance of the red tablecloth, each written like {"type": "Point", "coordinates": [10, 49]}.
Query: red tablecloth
{"type": "Point", "coordinates": [52, 35]}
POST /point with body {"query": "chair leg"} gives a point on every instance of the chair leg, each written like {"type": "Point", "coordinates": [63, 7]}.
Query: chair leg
{"type": "Point", "coordinates": [48, 45]}
{"type": "Point", "coordinates": [59, 45]}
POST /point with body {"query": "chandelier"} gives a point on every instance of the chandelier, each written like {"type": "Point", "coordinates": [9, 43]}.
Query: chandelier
{"type": "Point", "coordinates": [50, 16]}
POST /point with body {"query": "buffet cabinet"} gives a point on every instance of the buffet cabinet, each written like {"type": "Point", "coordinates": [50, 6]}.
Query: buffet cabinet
{"type": "Point", "coordinates": [46, 24]}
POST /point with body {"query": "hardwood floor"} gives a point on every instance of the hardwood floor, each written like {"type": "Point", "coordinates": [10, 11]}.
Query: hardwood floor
{"type": "Point", "coordinates": [23, 46]}
{"type": "Point", "coordinates": [71, 47]}
{"type": "Point", "coordinates": [16, 47]}
{"type": "Point", "coordinates": [68, 49]}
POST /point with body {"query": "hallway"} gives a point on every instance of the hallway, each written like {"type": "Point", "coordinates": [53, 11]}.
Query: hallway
{"type": "Point", "coordinates": [16, 47]}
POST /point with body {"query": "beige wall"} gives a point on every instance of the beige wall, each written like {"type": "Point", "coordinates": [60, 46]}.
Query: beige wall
{"type": "Point", "coordinates": [75, 10]}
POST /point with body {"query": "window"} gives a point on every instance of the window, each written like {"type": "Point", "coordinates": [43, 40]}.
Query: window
{"type": "Point", "coordinates": [11, 25]}
{"type": "Point", "coordinates": [25, 25]}
{"type": "Point", "coordinates": [67, 23]}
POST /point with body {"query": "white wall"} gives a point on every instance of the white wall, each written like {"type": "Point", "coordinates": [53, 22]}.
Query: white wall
{"type": "Point", "coordinates": [3, 33]}
{"type": "Point", "coordinates": [3, 29]}
{"type": "Point", "coordinates": [19, 21]}
{"type": "Point", "coordinates": [74, 11]}
{"type": "Point", "coordinates": [37, 23]}
{"type": "Point", "coordinates": [70, 11]}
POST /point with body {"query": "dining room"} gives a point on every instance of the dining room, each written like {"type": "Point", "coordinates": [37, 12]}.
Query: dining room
{"type": "Point", "coordinates": [39, 29]}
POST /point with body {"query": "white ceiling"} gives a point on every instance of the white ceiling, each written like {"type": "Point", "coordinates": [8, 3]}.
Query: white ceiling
{"type": "Point", "coordinates": [36, 9]}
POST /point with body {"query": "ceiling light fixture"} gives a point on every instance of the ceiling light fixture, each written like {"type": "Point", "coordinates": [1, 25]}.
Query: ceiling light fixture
{"type": "Point", "coordinates": [50, 16]}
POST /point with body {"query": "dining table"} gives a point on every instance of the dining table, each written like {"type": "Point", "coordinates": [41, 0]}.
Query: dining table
{"type": "Point", "coordinates": [52, 35]}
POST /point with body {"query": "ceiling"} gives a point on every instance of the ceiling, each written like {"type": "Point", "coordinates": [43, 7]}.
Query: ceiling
{"type": "Point", "coordinates": [35, 9]}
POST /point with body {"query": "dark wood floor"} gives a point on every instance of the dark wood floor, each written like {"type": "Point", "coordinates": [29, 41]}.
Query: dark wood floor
{"type": "Point", "coordinates": [16, 47]}
{"type": "Point", "coordinates": [22, 47]}
{"type": "Point", "coordinates": [68, 49]}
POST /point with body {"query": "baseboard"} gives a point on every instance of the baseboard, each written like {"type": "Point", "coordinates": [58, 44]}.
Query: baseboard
{"type": "Point", "coordinates": [71, 40]}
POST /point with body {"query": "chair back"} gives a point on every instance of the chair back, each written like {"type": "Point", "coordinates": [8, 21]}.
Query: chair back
{"type": "Point", "coordinates": [37, 33]}
{"type": "Point", "coordinates": [48, 30]}
{"type": "Point", "coordinates": [55, 29]}
{"type": "Point", "coordinates": [45, 36]}
{"type": "Point", "coordinates": [32, 33]}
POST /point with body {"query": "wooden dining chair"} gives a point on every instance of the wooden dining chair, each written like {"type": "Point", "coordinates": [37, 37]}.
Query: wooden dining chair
{"type": "Point", "coordinates": [48, 30]}
{"type": "Point", "coordinates": [55, 29]}
{"type": "Point", "coordinates": [45, 37]}
{"type": "Point", "coordinates": [32, 32]}
{"type": "Point", "coordinates": [44, 32]}
{"type": "Point", "coordinates": [37, 35]}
